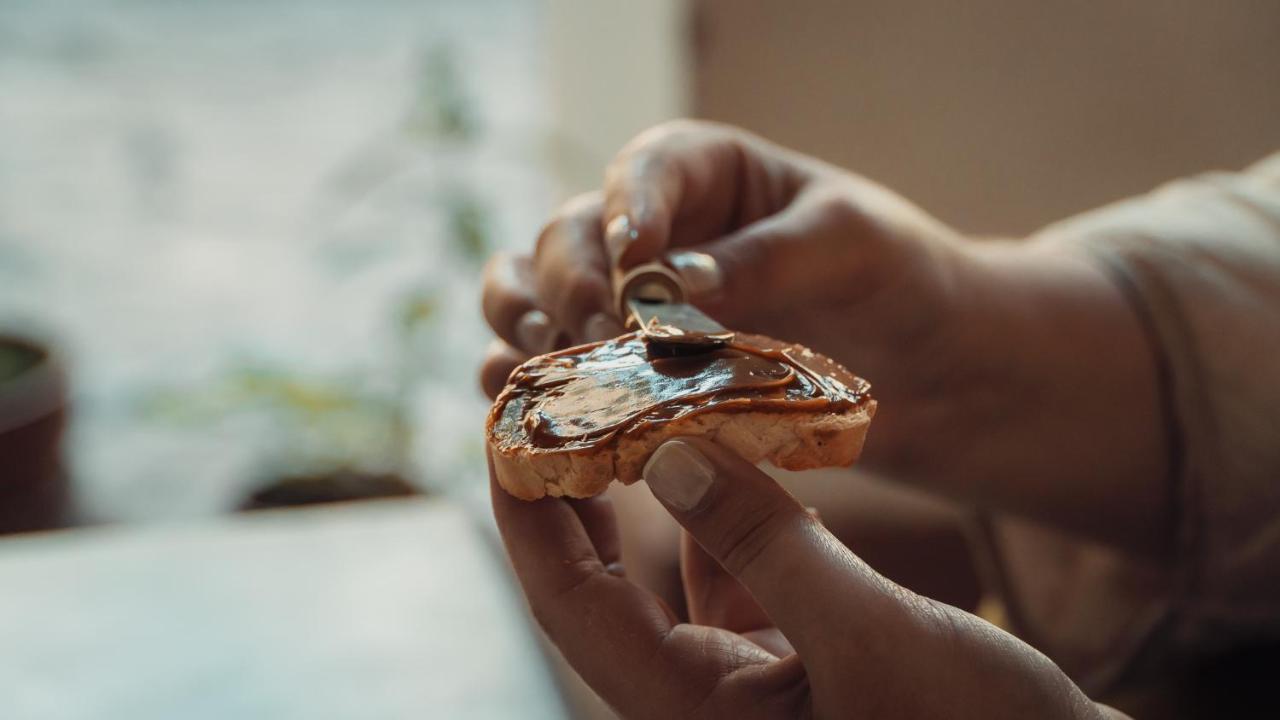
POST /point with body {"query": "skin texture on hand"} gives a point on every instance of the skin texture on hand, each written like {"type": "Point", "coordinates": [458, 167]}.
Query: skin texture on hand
{"type": "Point", "coordinates": [1010, 376]}
{"type": "Point", "coordinates": [786, 622]}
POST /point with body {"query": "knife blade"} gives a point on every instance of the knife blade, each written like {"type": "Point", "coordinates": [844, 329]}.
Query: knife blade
{"type": "Point", "coordinates": [652, 299]}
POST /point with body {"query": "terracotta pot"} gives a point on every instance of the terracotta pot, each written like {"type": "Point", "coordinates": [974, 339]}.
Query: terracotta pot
{"type": "Point", "coordinates": [344, 485]}
{"type": "Point", "coordinates": [34, 491]}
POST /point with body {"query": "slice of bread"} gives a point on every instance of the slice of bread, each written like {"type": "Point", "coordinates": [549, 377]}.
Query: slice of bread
{"type": "Point", "coordinates": [793, 436]}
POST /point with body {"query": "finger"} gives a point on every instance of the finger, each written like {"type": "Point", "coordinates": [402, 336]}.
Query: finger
{"type": "Point", "coordinates": [500, 359]}
{"type": "Point", "coordinates": [571, 274]}
{"type": "Point", "coordinates": [805, 253]}
{"type": "Point", "coordinates": [714, 597]}
{"type": "Point", "coordinates": [680, 171]}
{"type": "Point", "coordinates": [805, 580]}
{"type": "Point", "coordinates": [618, 636]}
{"type": "Point", "coordinates": [851, 626]}
{"type": "Point", "coordinates": [772, 640]}
{"type": "Point", "coordinates": [601, 523]}
{"type": "Point", "coordinates": [509, 305]}
{"type": "Point", "coordinates": [688, 182]}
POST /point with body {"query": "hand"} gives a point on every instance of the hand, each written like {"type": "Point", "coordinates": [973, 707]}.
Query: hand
{"type": "Point", "coordinates": [1011, 375]}
{"type": "Point", "coordinates": [785, 621]}
{"type": "Point", "coordinates": [767, 240]}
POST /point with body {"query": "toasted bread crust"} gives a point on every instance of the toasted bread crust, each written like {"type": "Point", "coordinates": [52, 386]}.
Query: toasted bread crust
{"type": "Point", "coordinates": [790, 439]}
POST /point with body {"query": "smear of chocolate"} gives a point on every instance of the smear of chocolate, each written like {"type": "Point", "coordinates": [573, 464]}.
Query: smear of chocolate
{"type": "Point", "coordinates": [586, 396]}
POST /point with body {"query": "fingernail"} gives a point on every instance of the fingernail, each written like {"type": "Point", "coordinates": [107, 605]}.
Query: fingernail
{"type": "Point", "coordinates": [678, 475]}
{"type": "Point", "coordinates": [534, 331]}
{"type": "Point", "coordinates": [601, 326]}
{"type": "Point", "coordinates": [700, 272]}
{"type": "Point", "coordinates": [618, 235]}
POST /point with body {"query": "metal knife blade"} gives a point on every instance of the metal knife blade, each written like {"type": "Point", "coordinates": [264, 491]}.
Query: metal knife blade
{"type": "Point", "coordinates": [651, 299]}
{"type": "Point", "coordinates": [676, 325]}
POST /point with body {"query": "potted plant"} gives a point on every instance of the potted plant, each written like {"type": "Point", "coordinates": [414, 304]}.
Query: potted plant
{"type": "Point", "coordinates": [34, 491]}
{"type": "Point", "coordinates": [328, 439]}
{"type": "Point", "coordinates": [334, 437]}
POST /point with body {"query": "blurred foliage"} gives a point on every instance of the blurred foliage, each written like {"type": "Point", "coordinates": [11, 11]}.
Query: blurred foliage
{"type": "Point", "coordinates": [441, 108]}
{"type": "Point", "coordinates": [320, 422]}
{"type": "Point", "coordinates": [329, 424]}
{"type": "Point", "coordinates": [468, 225]}
{"type": "Point", "coordinates": [441, 114]}
{"type": "Point", "coordinates": [250, 384]}
{"type": "Point", "coordinates": [16, 359]}
{"type": "Point", "coordinates": [417, 309]}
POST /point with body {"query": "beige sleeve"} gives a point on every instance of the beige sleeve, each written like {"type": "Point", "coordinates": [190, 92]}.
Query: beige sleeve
{"type": "Point", "coordinates": [1200, 261]}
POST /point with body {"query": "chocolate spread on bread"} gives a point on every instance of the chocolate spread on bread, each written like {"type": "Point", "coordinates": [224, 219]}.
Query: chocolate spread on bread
{"type": "Point", "coordinates": [586, 396]}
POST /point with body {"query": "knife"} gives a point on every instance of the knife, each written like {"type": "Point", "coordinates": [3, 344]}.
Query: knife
{"type": "Point", "coordinates": [652, 299]}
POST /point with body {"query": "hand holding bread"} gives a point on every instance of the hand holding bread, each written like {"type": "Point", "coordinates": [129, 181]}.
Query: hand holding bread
{"type": "Point", "coordinates": [1013, 376]}
{"type": "Point", "coordinates": [784, 620]}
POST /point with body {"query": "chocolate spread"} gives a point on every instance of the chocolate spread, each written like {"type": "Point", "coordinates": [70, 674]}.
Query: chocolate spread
{"type": "Point", "coordinates": [586, 396]}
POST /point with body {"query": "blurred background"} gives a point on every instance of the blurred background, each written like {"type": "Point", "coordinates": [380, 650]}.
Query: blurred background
{"type": "Point", "coordinates": [240, 246]}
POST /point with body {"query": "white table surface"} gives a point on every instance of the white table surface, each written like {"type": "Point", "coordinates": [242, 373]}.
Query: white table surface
{"type": "Point", "coordinates": [397, 609]}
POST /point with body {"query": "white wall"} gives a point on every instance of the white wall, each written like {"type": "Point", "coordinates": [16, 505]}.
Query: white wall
{"type": "Point", "coordinates": [616, 67]}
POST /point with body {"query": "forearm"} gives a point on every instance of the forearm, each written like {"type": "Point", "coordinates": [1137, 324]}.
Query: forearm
{"type": "Point", "coordinates": [1063, 422]}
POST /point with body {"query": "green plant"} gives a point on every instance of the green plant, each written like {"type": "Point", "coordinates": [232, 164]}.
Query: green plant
{"type": "Point", "coordinates": [468, 220]}
{"type": "Point", "coordinates": [441, 108]}
{"type": "Point", "coordinates": [16, 359]}
{"type": "Point", "coordinates": [316, 422]}
{"type": "Point", "coordinates": [331, 424]}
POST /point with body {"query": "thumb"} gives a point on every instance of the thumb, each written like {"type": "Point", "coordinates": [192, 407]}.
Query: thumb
{"type": "Point", "coordinates": [801, 575]}
{"type": "Point", "coordinates": [852, 627]}
{"type": "Point", "coordinates": [794, 257]}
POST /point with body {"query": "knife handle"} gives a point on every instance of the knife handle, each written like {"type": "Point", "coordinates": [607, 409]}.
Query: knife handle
{"type": "Point", "coordinates": [652, 281]}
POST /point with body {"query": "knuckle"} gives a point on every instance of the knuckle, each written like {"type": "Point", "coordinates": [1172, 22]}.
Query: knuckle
{"type": "Point", "coordinates": [580, 209]}
{"type": "Point", "coordinates": [577, 295]}
{"type": "Point", "coordinates": [832, 207]}
{"type": "Point", "coordinates": [756, 255]}
{"type": "Point", "coordinates": [584, 206]}
{"type": "Point", "coordinates": [547, 234]}
{"type": "Point", "coordinates": [498, 273]}
{"type": "Point", "coordinates": [671, 130]}
{"type": "Point", "coordinates": [580, 288]}
{"type": "Point", "coordinates": [582, 577]}
{"type": "Point", "coordinates": [651, 151]}
{"type": "Point", "coordinates": [747, 538]}
{"type": "Point", "coordinates": [583, 573]}
{"type": "Point", "coordinates": [751, 270]}
{"type": "Point", "coordinates": [652, 164]}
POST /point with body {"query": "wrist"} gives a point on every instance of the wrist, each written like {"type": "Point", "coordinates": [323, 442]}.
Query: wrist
{"type": "Point", "coordinates": [1059, 418]}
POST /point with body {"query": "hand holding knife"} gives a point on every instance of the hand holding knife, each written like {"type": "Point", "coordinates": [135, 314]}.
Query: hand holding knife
{"type": "Point", "coordinates": [652, 299]}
